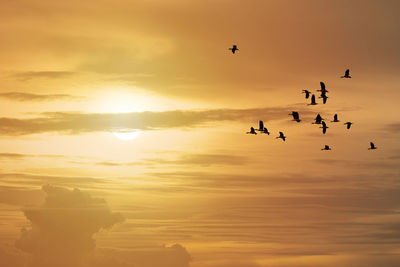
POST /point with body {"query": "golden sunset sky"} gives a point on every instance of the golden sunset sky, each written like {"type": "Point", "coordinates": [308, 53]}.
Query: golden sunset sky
{"type": "Point", "coordinates": [123, 133]}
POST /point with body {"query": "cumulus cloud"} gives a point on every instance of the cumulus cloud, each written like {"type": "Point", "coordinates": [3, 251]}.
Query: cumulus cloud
{"type": "Point", "coordinates": [62, 234]}
{"type": "Point", "coordinates": [62, 228]}
{"type": "Point", "coordinates": [75, 123]}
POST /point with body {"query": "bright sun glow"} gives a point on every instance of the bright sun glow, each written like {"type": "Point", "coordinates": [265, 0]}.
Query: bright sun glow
{"type": "Point", "coordinates": [126, 136]}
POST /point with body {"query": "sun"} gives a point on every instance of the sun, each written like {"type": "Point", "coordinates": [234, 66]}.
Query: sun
{"type": "Point", "coordinates": [127, 135]}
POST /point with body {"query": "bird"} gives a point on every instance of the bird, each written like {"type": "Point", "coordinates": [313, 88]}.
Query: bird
{"type": "Point", "coordinates": [324, 97]}
{"type": "Point", "coordinates": [234, 49]}
{"type": "Point", "coordinates": [296, 116]}
{"type": "Point", "coordinates": [307, 93]}
{"type": "Point", "coordinates": [326, 148]}
{"type": "Point", "coordinates": [281, 135]}
{"type": "Point", "coordinates": [322, 88]}
{"type": "Point", "coordinates": [261, 126]}
{"type": "Point", "coordinates": [324, 127]}
{"type": "Point", "coordinates": [318, 119]}
{"type": "Point", "coordinates": [252, 131]}
{"type": "Point", "coordinates": [313, 100]}
{"type": "Point", "coordinates": [266, 131]}
{"type": "Point", "coordinates": [335, 118]}
{"type": "Point", "coordinates": [346, 74]}
{"type": "Point", "coordinates": [348, 124]}
{"type": "Point", "coordinates": [372, 146]}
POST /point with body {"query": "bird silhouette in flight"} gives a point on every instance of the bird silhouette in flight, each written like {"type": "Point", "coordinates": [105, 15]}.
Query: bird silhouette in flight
{"type": "Point", "coordinates": [313, 100]}
{"type": "Point", "coordinates": [261, 126]}
{"type": "Point", "coordinates": [252, 131]}
{"type": "Point", "coordinates": [335, 118]}
{"type": "Point", "coordinates": [348, 124]}
{"type": "Point", "coordinates": [326, 148]}
{"type": "Point", "coordinates": [324, 97]}
{"type": "Point", "coordinates": [234, 49]}
{"type": "Point", "coordinates": [296, 116]}
{"type": "Point", "coordinates": [266, 131]}
{"type": "Point", "coordinates": [323, 89]}
{"type": "Point", "coordinates": [324, 127]}
{"type": "Point", "coordinates": [307, 93]}
{"type": "Point", "coordinates": [282, 136]}
{"type": "Point", "coordinates": [346, 74]}
{"type": "Point", "coordinates": [372, 146]}
{"type": "Point", "coordinates": [318, 119]}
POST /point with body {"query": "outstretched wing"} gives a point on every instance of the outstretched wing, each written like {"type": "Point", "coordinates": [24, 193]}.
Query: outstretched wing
{"type": "Point", "coordinates": [322, 86]}
{"type": "Point", "coordinates": [261, 125]}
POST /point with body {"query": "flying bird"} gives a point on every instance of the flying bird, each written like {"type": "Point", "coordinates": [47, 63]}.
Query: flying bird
{"type": "Point", "coordinates": [324, 97]}
{"type": "Point", "coordinates": [266, 131]}
{"type": "Point", "coordinates": [335, 118]}
{"type": "Point", "coordinates": [261, 126]}
{"type": "Point", "coordinates": [326, 148]}
{"type": "Point", "coordinates": [307, 93]}
{"type": "Point", "coordinates": [348, 124]}
{"type": "Point", "coordinates": [372, 146]}
{"type": "Point", "coordinates": [281, 135]}
{"type": "Point", "coordinates": [296, 116]}
{"type": "Point", "coordinates": [323, 89]}
{"type": "Point", "coordinates": [313, 100]}
{"type": "Point", "coordinates": [324, 127]}
{"type": "Point", "coordinates": [252, 131]}
{"type": "Point", "coordinates": [346, 74]}
{"type": "Point", "coordinates": [318, 119]}
{"type": "Point", "coordinates": [234, 49]}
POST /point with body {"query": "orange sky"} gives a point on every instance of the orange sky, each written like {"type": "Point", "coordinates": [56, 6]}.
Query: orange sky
{"type": "Point", "coordinates": [189, 187]}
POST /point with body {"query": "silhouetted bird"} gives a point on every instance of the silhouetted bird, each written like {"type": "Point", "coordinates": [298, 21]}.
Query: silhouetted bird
{"type": "Point", "coordinates": [372, 146]}
{"type": "Point", "coordinates": [252, 131]}
{"type": "Point", "coordinates": [348, 124]}
{"type": "Point", "coordinates": [296, 116]}
{"type": "Point", "coordinates": [261, 126]}
{"type": "Point", "coordinates": [326, 148]}
{"type": "Point", "coordinates": [324, 127]}
{"type": "Point", "coordinates": [335, 118]}
{"type": "Point", "coordinates": [322, 88]}
{"type": "Point", "coordinates": [234, 49]}
{"type": "Point", "coordinates": [307, 93]}
{"type": "Point", "coordinates": [266, 131]}
{"type": "Point", "coordinates": [318, 119]}
{"type": "Point", "coordinates": [346, 74]}
{"type": "Point", "coordinates": [324, 97]}
{"type": "Point", "coordinates": [281, 135]}
{"type": "Point", "coordinates": [313, 100]}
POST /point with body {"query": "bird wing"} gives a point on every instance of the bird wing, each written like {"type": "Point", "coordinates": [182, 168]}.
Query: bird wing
{"type": "Point", "coordinates": [261, 125]}
{"type": "Point", "coordinates": [322, 85]}
{"type": "Point", "coordinates": [335, 117]}
{"type": "Point", "coordinates": [313, 99]}
{"type": "Point", "coordinates": [372, 145]}
{"type": "Point", "coordinates": [347, 72]}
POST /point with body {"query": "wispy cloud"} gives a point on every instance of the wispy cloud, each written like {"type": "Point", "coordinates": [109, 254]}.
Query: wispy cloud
{"type": "Point", "coordinates": [76, 123]}
{"type": "Point", "coordinates": [24, 97]}
{"type": "Point", "coordinates": [28, 75]}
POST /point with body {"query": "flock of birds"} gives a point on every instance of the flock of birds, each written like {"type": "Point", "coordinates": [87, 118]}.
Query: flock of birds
{"type": "Point", "coordinates": [296, 117]}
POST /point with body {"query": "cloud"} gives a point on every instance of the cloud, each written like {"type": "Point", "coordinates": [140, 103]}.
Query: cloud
{"type": "Point", "coordinates": [28, 75]}
{"type": "Point", "coordinates": [62, 228]}
{"type": "Point", "coordinates": [76, 123]}
{"type": "Point", "coordinates": [17, 96]}
{"type": "Point", "coordinates": [205, 159]}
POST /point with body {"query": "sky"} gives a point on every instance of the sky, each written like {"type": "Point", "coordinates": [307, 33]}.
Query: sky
{"type": "Point", "coordinates": [123, 133]}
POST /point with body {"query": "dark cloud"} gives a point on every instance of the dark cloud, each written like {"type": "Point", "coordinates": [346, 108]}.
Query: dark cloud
{"type": "Point", "coordinates": [28, 75]}
{"type": "Point", "coordinates": [17, 96]}
{"type": "Point", "coordinates": [62, 228]}
{"type": "Point", "coordinates": [76, 123]}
